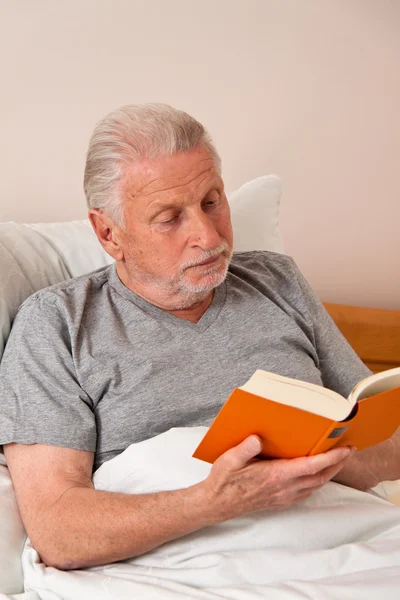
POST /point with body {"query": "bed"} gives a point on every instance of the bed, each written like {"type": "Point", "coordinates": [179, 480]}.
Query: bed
{"type": "Point", "coordinates": [374, 333]}
{"type": "Point", "coordinates": [208, 565]}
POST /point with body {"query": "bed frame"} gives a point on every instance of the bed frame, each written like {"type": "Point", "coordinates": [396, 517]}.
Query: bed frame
{"type": "Point", "coordinates": [373, 333]}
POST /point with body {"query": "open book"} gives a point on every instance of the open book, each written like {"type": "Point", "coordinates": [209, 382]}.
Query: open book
{"type": "Point", "coordinates": [295, 418]}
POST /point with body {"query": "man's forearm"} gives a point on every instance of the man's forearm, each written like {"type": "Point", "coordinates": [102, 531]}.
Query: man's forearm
{"type": "Point", "coordinates": [73, 525]}
{"type": "Point", "coordinates": [92, 527]}
{"type": "Point", "coordinates": [368, 467]}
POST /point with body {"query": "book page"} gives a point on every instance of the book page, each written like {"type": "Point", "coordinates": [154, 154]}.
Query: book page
{"type": "Point", "coordinates": [376, 384]}
{"type": "Point", "coordinates": [300, 394]}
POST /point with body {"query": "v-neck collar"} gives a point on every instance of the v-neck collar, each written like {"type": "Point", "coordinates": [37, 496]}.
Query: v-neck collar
{"type": "Point", "coordinates": [202, 324]}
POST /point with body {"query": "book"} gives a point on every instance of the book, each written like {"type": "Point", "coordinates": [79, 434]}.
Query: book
{"type": "Point", "coordinates": [295, 418]}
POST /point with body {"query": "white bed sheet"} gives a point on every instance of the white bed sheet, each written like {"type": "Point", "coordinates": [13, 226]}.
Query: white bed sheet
{"type": "Point", "coordinates": [24, 596]}
{"type": "Point", "coordinates": [338, 544]}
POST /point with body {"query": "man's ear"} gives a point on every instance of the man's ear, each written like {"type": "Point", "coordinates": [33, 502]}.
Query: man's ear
{"type": "Point", "coordinates": [108, 233]}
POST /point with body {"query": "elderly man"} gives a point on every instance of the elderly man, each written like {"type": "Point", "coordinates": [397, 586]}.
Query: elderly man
{"type": "Point", "coordinates": [158, 340]}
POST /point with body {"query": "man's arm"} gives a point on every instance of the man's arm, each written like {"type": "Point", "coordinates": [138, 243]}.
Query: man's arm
{"type": "Point", "coordinates": [367, 468]}
{"type": "Point", "coordinates": [72, 525]}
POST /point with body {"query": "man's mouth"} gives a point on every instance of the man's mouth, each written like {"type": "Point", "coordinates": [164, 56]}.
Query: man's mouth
{"type": "Point", "coordinates": [209, 261]}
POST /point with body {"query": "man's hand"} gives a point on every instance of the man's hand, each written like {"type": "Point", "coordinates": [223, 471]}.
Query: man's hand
{"type": "Point", "coordinates": [238, 485]}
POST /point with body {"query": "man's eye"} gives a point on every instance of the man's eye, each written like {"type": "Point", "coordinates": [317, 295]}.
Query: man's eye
{"type": "Point", "coordinates": [172, 220]}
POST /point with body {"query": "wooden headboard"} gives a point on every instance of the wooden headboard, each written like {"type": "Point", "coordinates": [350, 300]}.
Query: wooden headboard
{"type": "Point", "coordinates": [373, 333]}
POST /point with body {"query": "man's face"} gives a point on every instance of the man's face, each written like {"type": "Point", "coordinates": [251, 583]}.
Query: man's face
{"type": "Point", "coordinates": [177, 238]}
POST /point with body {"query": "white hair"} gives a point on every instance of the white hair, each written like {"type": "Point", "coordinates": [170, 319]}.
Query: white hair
{"type": "Point", "coordinates": [129, 134]}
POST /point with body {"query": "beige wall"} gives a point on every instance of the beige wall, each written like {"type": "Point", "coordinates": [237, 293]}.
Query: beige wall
{"type": "Point", "coordinates": [308, 89]}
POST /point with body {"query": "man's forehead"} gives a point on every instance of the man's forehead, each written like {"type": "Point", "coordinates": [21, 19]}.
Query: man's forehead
{"type": "Point", "coordinates": [172, 175]}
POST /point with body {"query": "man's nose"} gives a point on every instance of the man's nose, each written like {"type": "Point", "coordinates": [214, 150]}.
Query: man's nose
{"type": "Point", "coordinates": [203, 231]}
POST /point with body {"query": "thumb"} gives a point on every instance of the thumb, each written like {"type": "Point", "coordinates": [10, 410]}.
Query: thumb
{"type": "Point", "coordinates": [238, 456]}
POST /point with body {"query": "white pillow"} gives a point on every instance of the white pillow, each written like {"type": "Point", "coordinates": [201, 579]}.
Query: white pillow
{"type": "Point", "coordinates": [38, 255]}
{"type": "Point", "coordinates": [255, 221]}
{"type": "Point", "coordinates": [27, 264]}
{"type": "Point", "coordinates": [12, 536]}
{"type": "Point", "coordinates": [76, 243]}
{"type": "Point", "coordinates": [255, 215]}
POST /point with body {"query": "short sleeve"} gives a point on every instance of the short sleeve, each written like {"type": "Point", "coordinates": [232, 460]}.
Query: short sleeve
{"type": "Point", "coordinates": [341, 368]}
{"type": "Point", "coordinates": [41, 400]}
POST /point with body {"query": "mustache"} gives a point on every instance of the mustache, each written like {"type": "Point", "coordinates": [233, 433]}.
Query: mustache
{"type": "Point", "coordinates": [221, 249]}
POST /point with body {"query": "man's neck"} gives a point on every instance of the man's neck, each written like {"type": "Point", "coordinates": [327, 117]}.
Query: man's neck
{"type": "Point", "coordinates": [195, 312]}
{"type": "Point", "coordinates": [192, 313]}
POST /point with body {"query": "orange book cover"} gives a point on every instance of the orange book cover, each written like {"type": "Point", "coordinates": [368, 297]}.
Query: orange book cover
{"type": "Point", "coordinates": [289, 432]}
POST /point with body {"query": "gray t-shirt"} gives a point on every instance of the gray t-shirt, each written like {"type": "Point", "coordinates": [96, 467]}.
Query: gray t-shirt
{"type": "Point", "coordinates": [90, 365]}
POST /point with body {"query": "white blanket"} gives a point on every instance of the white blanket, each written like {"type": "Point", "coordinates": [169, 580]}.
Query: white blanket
{"type": "Point", "coordinates": [338, 544]}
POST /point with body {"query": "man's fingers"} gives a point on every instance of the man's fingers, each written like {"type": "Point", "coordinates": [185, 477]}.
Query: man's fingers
{"type": "Point", "coordinates": [309, 471]}
{"type": "Point", "coordinates": [311, 465]}
{"type": "Point", "coordinates": [320, 478]}
{"type": "Point", "coordinates": [237, 457]}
